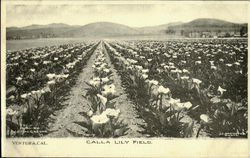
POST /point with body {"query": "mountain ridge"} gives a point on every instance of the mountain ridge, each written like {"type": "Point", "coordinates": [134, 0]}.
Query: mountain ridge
{"type": "Point", "coordinates": [109, 29]}
{"type": "Point", "coordinates": [171, 23]}
{"type": "Point", "coordinates": [208, 24]}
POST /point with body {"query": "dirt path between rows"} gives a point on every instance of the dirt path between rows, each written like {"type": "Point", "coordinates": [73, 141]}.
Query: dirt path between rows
{"type": "Point", "coordinates": [67, 120]}
{"type": "Point", "coordinates": [128, 113]}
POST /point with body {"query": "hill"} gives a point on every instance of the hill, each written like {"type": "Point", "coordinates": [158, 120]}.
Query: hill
{"type": "Point", "coordinates": [101, 29]}
{"type": "Point", "coordinates": [159, 29]}
{"type": "Point", "coordinates": [208, 25]}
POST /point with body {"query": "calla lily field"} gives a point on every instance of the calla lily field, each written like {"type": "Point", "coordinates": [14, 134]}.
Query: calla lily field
{"type": "Point", "coordinates": [181, 88]}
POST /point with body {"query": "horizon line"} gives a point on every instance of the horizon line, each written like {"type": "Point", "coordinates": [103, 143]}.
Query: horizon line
{"type": "Point", "coordinates": [124, 24]}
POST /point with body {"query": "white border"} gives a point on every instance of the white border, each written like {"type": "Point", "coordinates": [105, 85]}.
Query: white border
{"type": "Point", "coordinates": [74, 147]}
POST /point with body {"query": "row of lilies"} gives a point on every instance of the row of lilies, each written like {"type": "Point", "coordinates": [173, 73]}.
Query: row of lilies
{"type": "Point", "coordinates": [102, 119]}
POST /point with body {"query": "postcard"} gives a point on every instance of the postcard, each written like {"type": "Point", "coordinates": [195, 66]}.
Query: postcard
{"type": "Point", "coordinates": [124, 78]}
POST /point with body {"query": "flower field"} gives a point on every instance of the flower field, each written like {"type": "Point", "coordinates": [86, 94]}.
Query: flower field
{"type": "Point", "coordinates": [176, 88]}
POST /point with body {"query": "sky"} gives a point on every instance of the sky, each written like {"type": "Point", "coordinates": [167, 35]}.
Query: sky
{"type": "Point", "coordinates": [134, 15]}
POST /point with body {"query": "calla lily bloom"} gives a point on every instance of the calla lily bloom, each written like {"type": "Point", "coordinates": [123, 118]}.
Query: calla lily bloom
{"type": "Point", "coordinates": [11, 112]}
{"type": "Point", "coordinates": [197, 81]}
{"type": "Point", "coordinates": [221, 90]}
{"type": "Point", "coordinates": [51, 82]}
{"type": "Point", "coordinates": [51, 76]}
{"type": "Point", "coordinates": [204, 118]}
{"type": "Point", "coordinates": [185, 77]}
{"type": "Point", "coordinates": [99, 119]}
{"type": "Point", "coordinates": [214, 67]}
{"type": "Point", "coordinates": [112, 112]}
{"type": "Point", "coordinates": [102, 98]}
{"type": "Point", "coordinates": [90, 113]}
{"type": "Point", "coordinates": [197, 62]}
{"type": "Point", "coordinates": [109, 89]}
{"type": "Point", "coordinates": [144, 76]}
{"type": "Point", "coordinates": [162, 90]}
{"type": "Point", "coordinates": [173, 101]}
{"type": "Point", "coordinates": [153, 82]}
{"type": "Point", "coordinates": [19, 78]}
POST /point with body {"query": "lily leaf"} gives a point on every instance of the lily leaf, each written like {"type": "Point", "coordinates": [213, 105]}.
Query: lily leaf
{"type": "Point", "coordinates": [13, 126]}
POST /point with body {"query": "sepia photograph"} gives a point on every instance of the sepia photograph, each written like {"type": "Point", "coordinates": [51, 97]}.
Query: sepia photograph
{"type": "Point", "coordinates": [125, 73]}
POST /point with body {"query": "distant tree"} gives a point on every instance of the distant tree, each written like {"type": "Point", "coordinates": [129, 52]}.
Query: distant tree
{"type": "Point", "coordinates": [227, 35]}
{"type": "Point", "coordinates": [170, 31]}
{"type": "Point", "coordinates": [242, 31]}
{"type": "Point", "coordinates": [182, 32]}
